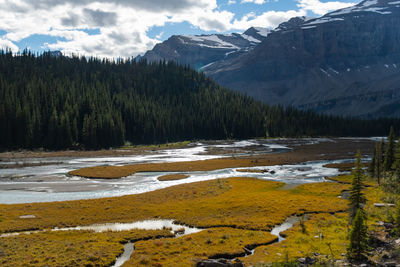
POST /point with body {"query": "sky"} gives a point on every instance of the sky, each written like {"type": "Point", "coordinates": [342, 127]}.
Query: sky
{"type": "Point", "coordinates": [127, 28]}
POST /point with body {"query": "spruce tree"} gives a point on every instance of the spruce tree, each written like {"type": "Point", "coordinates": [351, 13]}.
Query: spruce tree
{"type": "Point", "coordinates": [371, 168]}
{"type": "Point", "coordinates": [389, 154]}
{"type": "Point", "coordinates": [396, 163]}
{"type": "Point", "coordinates": [358, 237]}
{"type": "Point", "coordinates": [357, 198]}
{"type": "Point", "coordinates": [378, 162]}
{"type": "Point", "coordinates": [396, 168]}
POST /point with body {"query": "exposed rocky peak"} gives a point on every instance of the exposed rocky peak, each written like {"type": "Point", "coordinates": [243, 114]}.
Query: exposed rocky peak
{"type": "Point", "coordinates": [257, 32]}
{"type": "Point", "coordinates": [292, 23]}
{"type": "Point", "coordinates": [383, 7]}
{"type": "Point", "coordinates": [346, 62]}
{"type": "Point", "coordinates": [199, 51]}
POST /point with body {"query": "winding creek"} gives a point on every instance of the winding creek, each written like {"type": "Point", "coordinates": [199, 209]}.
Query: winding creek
{"type": "Point", "coordinates": [159, 224]}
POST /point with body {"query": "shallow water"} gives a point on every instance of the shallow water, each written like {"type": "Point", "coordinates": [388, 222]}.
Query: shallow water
{"type": "Point", "coordinates": [50, 182]}
{"type": "Point", "coordinates": [128, 250]}
{"type": "Point", "coordinates": [70, 188]}
{"type": "Point", "coordinates": [74, 188]}
{"type": "Point", "coordinates": [156, 224]}
{"type": "Point", "coordinates": [142, 225]}
{"type": "Point", "coordinates": [195, 151]}
{"type": "Point", "coordinates": [287, 224]}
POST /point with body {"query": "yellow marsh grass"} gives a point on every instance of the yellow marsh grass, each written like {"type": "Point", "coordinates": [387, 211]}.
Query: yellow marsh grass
{"type": "Point", "coordinates": [331, 150]}
{"type": "Point", "coordinates": [333, 227]}
{"type": "Point", "coordinates": [68, 248]}
{"type": "Point", "coordinates": [344, 167]}
{"type": "Point", "coordinates": [187, 250]}
{"type": "Point", "coordinates": [325, 234]}
{"type": "Point", "coordinates": [244, 203]}
{"type": "Point", "coordinates": [172, 177]}
{"type": "Point", "coordinates": [237, 202]}
{"type": "Point", "coordinates": [347, 179]}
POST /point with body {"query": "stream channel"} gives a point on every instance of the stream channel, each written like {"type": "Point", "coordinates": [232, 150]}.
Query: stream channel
{"type": "Point", "coordinates": [48, 183]}
{"type": "Point", "coordinates": [156, 224]}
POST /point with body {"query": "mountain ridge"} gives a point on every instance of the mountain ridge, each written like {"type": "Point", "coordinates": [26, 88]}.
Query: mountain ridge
{"type": "Point", "coordinates": [199, 51]}
{"type": "Point", "coordinates": [344, 63]}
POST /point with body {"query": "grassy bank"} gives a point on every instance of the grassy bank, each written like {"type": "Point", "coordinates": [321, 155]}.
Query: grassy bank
{"type": "Point", "coordinates": [237, 202]}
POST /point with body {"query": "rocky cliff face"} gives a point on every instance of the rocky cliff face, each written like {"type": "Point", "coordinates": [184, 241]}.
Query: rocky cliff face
{"type": "Point", "coordinates": [202, 50]}
{"type": "Point", "coordinates": [346, 62]}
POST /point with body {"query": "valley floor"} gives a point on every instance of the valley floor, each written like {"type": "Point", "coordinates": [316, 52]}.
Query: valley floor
{"type": "Point", "coordinates": [233, 217]}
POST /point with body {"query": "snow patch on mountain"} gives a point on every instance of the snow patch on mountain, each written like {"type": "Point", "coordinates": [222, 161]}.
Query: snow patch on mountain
{"type": "Point", "coordinates": [366, 6]}
{"type": "Point", "coordinates": [250, 38]}
{"type": "Point", "coordinates": [212, 41]}
{"type": "Point", "coordinates": [323, 20]}
{"type": "Point", "coordinates": [263, 31]}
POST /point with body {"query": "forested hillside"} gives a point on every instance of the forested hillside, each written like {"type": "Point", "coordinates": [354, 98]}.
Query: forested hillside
{"type": "Point", "coordinates": [63, 102]}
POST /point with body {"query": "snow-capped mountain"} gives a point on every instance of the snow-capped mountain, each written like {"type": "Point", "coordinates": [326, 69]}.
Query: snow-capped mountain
{"type": "Point", "coordinates": [346, 63]}
{"type": "Point", "coordinates": [199, 51]}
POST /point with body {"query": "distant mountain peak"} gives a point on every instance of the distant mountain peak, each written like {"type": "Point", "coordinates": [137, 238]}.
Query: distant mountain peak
{"type": "Point", "coordinates": [202, 50]}
{"type": "Point", "coordinates": [383, 7]}
{"type": "Point", "coordinates": [257, 31]}
{"type": "Point", "coordinates": [292, 23]}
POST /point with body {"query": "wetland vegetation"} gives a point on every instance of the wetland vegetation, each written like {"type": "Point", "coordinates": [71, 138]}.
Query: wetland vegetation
{"type": "Point", "coordinates": [237, 215]}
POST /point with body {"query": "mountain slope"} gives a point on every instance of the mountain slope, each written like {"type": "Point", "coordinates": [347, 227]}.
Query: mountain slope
{"type": "Point", "coordinates": [201, 50]}
{"type": "Point", "coordinates": [345, 63]}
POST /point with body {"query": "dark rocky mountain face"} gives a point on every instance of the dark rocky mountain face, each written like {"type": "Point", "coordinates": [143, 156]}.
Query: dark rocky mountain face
{"type": "Point", "coordinates": [346, 63]}
{"type": "Point", "coordinates": [201, 50]}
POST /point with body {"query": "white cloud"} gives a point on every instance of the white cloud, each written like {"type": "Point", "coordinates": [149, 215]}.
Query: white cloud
{"type": "Point", "coordinates": [321, 8]}
{"type": "Point", "coordinates": [269, 19]}
{"type": "Point", "coordinates": [123, 25]}
{"type": "Point", "coordinates": [7, 44]}
{"type": "Point", "coordinates": [258, 2]}
{"type": "Point", "coordinates": [160, 35]}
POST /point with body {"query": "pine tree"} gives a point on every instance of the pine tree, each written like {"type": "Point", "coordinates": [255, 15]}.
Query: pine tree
{"type": "Point", "coordinates": [357, 198]}
{"type": "Point", "coordinates": [378, 162]}
{"type": "Point", "coordinates": [396, 163]}
{"type": "Point", "coordinates": [396, 168]}
{"type": "Point", "coordinates": [389, 154]}
{"type": "Point", "coordinates": [371, 168]}
{"type": "Point", "coordinates": [382, 158]}
{"type": "Point", "coordinates": [358, 237]}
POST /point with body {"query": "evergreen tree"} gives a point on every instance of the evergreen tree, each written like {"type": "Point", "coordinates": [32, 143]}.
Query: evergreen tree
{"type": "Point", "coordinates": [396, 170]}
{"type": "Point", "coordinates": [396, 163]}
{"type": "Point", "coordinates": [356, 198]}
{"type": "Point", "coordinates": [378, 162]}
{"type": "Point", "coordinates": [371, 168]}
{"type": "Point", "coordinates": [389, 154]}
{"type": "Point", "coordinates": [59, 102]}
{"type": "Point", "coordinates": [358, 237]}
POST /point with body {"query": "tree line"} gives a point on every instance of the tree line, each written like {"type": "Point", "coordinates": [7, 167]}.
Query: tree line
{"type": "Point", "coordinates": [76, 102]}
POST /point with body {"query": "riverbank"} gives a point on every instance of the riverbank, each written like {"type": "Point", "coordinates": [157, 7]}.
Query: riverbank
{"type": "Point", "coordinates": [121, 151]}
{"type": "Point", "coordinates": [331, 150]}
